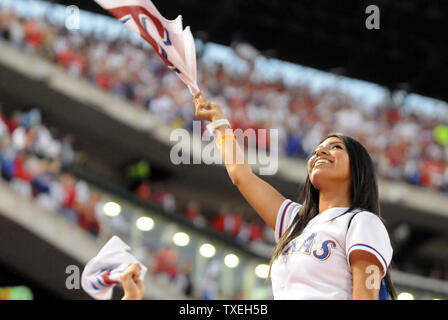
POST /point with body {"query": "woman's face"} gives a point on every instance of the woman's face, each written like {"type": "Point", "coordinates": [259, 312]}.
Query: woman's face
{"type": "Point", "coordinates": [330, 163]}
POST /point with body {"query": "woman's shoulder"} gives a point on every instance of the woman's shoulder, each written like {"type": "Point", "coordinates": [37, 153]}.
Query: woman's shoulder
{"type": "Point", "coordinates": [289, 206]}
{"type": "Point", "coordinates": [365, 216]}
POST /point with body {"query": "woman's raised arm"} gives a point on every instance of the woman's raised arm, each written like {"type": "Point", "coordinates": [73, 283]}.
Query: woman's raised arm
{"type": "Point", "coordinates": [265, 200]}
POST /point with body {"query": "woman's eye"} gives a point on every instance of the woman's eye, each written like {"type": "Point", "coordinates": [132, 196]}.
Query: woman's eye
{"type": "Point", "coordinates": [337, 147]}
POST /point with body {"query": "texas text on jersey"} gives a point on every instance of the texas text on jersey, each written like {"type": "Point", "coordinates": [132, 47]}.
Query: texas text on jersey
{"type": "Point", "coordinates": [315, 265]}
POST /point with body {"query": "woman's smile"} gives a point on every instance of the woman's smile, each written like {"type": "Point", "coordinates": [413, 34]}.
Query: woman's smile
{"type": "Point", "coordinates": [321, 162]}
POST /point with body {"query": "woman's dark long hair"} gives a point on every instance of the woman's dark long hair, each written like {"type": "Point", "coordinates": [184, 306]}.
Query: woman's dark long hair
{"type": "Point", "coordinates": [363, 195]}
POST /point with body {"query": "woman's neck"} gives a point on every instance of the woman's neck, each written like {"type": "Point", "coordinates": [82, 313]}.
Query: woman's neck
{"type": "Point", "coordinates": [333, 199]}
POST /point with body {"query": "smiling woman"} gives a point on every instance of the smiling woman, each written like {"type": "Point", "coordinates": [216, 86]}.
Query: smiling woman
{"type": "Point", "coordinates": [332, 243]}
{"type": "Point", "coordinates": [329, 170]}
{"type": "Point", "coordinates": [340, 214]}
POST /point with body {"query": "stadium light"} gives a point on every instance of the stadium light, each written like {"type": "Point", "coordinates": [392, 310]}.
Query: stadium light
{"type": "Point", "coordinates": [405, 296]}
{"type": "Point", "coordinates": [145, 223]}
{"type": "Point", "coordinates": [231, 260]}
{"type": "Point", "coordinates": [181, 239]}
{"type": "Point", "coordinates": [207, 250]}
{"type": "Point", "coordinates": [262, 271]}
{"type": "Point", "coordinates": [111, 209]}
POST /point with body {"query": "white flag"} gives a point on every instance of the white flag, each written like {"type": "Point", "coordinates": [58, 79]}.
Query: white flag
{"type": "Point", "coordinates": [173, 44]}
{"type": "Point", "coordinates": [102, 273]}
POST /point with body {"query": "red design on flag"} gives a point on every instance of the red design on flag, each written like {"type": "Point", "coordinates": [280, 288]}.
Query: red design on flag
{"type": "Point", "coordinates": [173, 44]}
{"type": "Point", "coordinates": [106, 279]}
{"type": "Point", "coordinates": [136, 12]}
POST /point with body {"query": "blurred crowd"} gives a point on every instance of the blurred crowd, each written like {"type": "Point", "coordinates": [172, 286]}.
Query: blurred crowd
{"type": "Point", "coordinates": [223, 219]}
{"type": "Point", "coordinates": [37, 163]}
{"type": "Point", "coordinates": [174, 274]}
{"type": "Point", "coordinates": [402, 144]}
{"type": "Point", "coordinates": [34, 163]}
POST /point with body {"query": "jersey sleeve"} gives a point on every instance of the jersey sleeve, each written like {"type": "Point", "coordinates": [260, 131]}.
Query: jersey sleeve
{"type": "Point", "coordinates": [285, 216]}
{"type": "Point", "coordinates": [367, 232]}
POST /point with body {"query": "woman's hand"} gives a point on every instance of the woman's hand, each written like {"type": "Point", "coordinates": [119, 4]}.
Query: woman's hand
{"type": "Point", "coordinates": [207, 110]}
{"type": "Point", "coordinates": [132, 285]}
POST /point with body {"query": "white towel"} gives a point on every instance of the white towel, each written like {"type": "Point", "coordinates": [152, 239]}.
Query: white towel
{"type": "Point", "coordinates": [102, 273]}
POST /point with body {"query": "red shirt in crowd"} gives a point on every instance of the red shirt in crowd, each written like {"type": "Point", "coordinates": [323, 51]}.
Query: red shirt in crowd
{"type": "Point", "coordinates": [218, 223]}
{"type": "Point", "coordinates": [103, 80]}
{"type": "Point", "coordinates": [431, 173]}
{"type": "Point", "coordinates": [33, 36]}
{"type": "Point", "coordinates": [12, 124]}
{"type": "Point", "coordinates": [19, 171]}
{"type": "Point", "coordinates": [69, 58]}
{"type": "Point", "coordinates": [87, 218]}
{"type": "Point", "coordinates": [396, 155]}
{"type": "Point", "coordinates": [69, 189]}
{"type": "Point", "coordinates": [191, 213]}
{"type": "Point", "coordinates": [233, 223]}
{"type": "Point", "coordinates": [166, 262]}
{"type": "Point", "coordinates": [144, 191]}
{"type": "Point", "coordinates": [256, 232]}
{"type": "Point", "coordinates": [229, 223]}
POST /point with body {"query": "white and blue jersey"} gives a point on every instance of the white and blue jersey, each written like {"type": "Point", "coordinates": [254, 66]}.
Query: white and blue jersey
{"type": "Point", "coordinates": [315, 265]}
